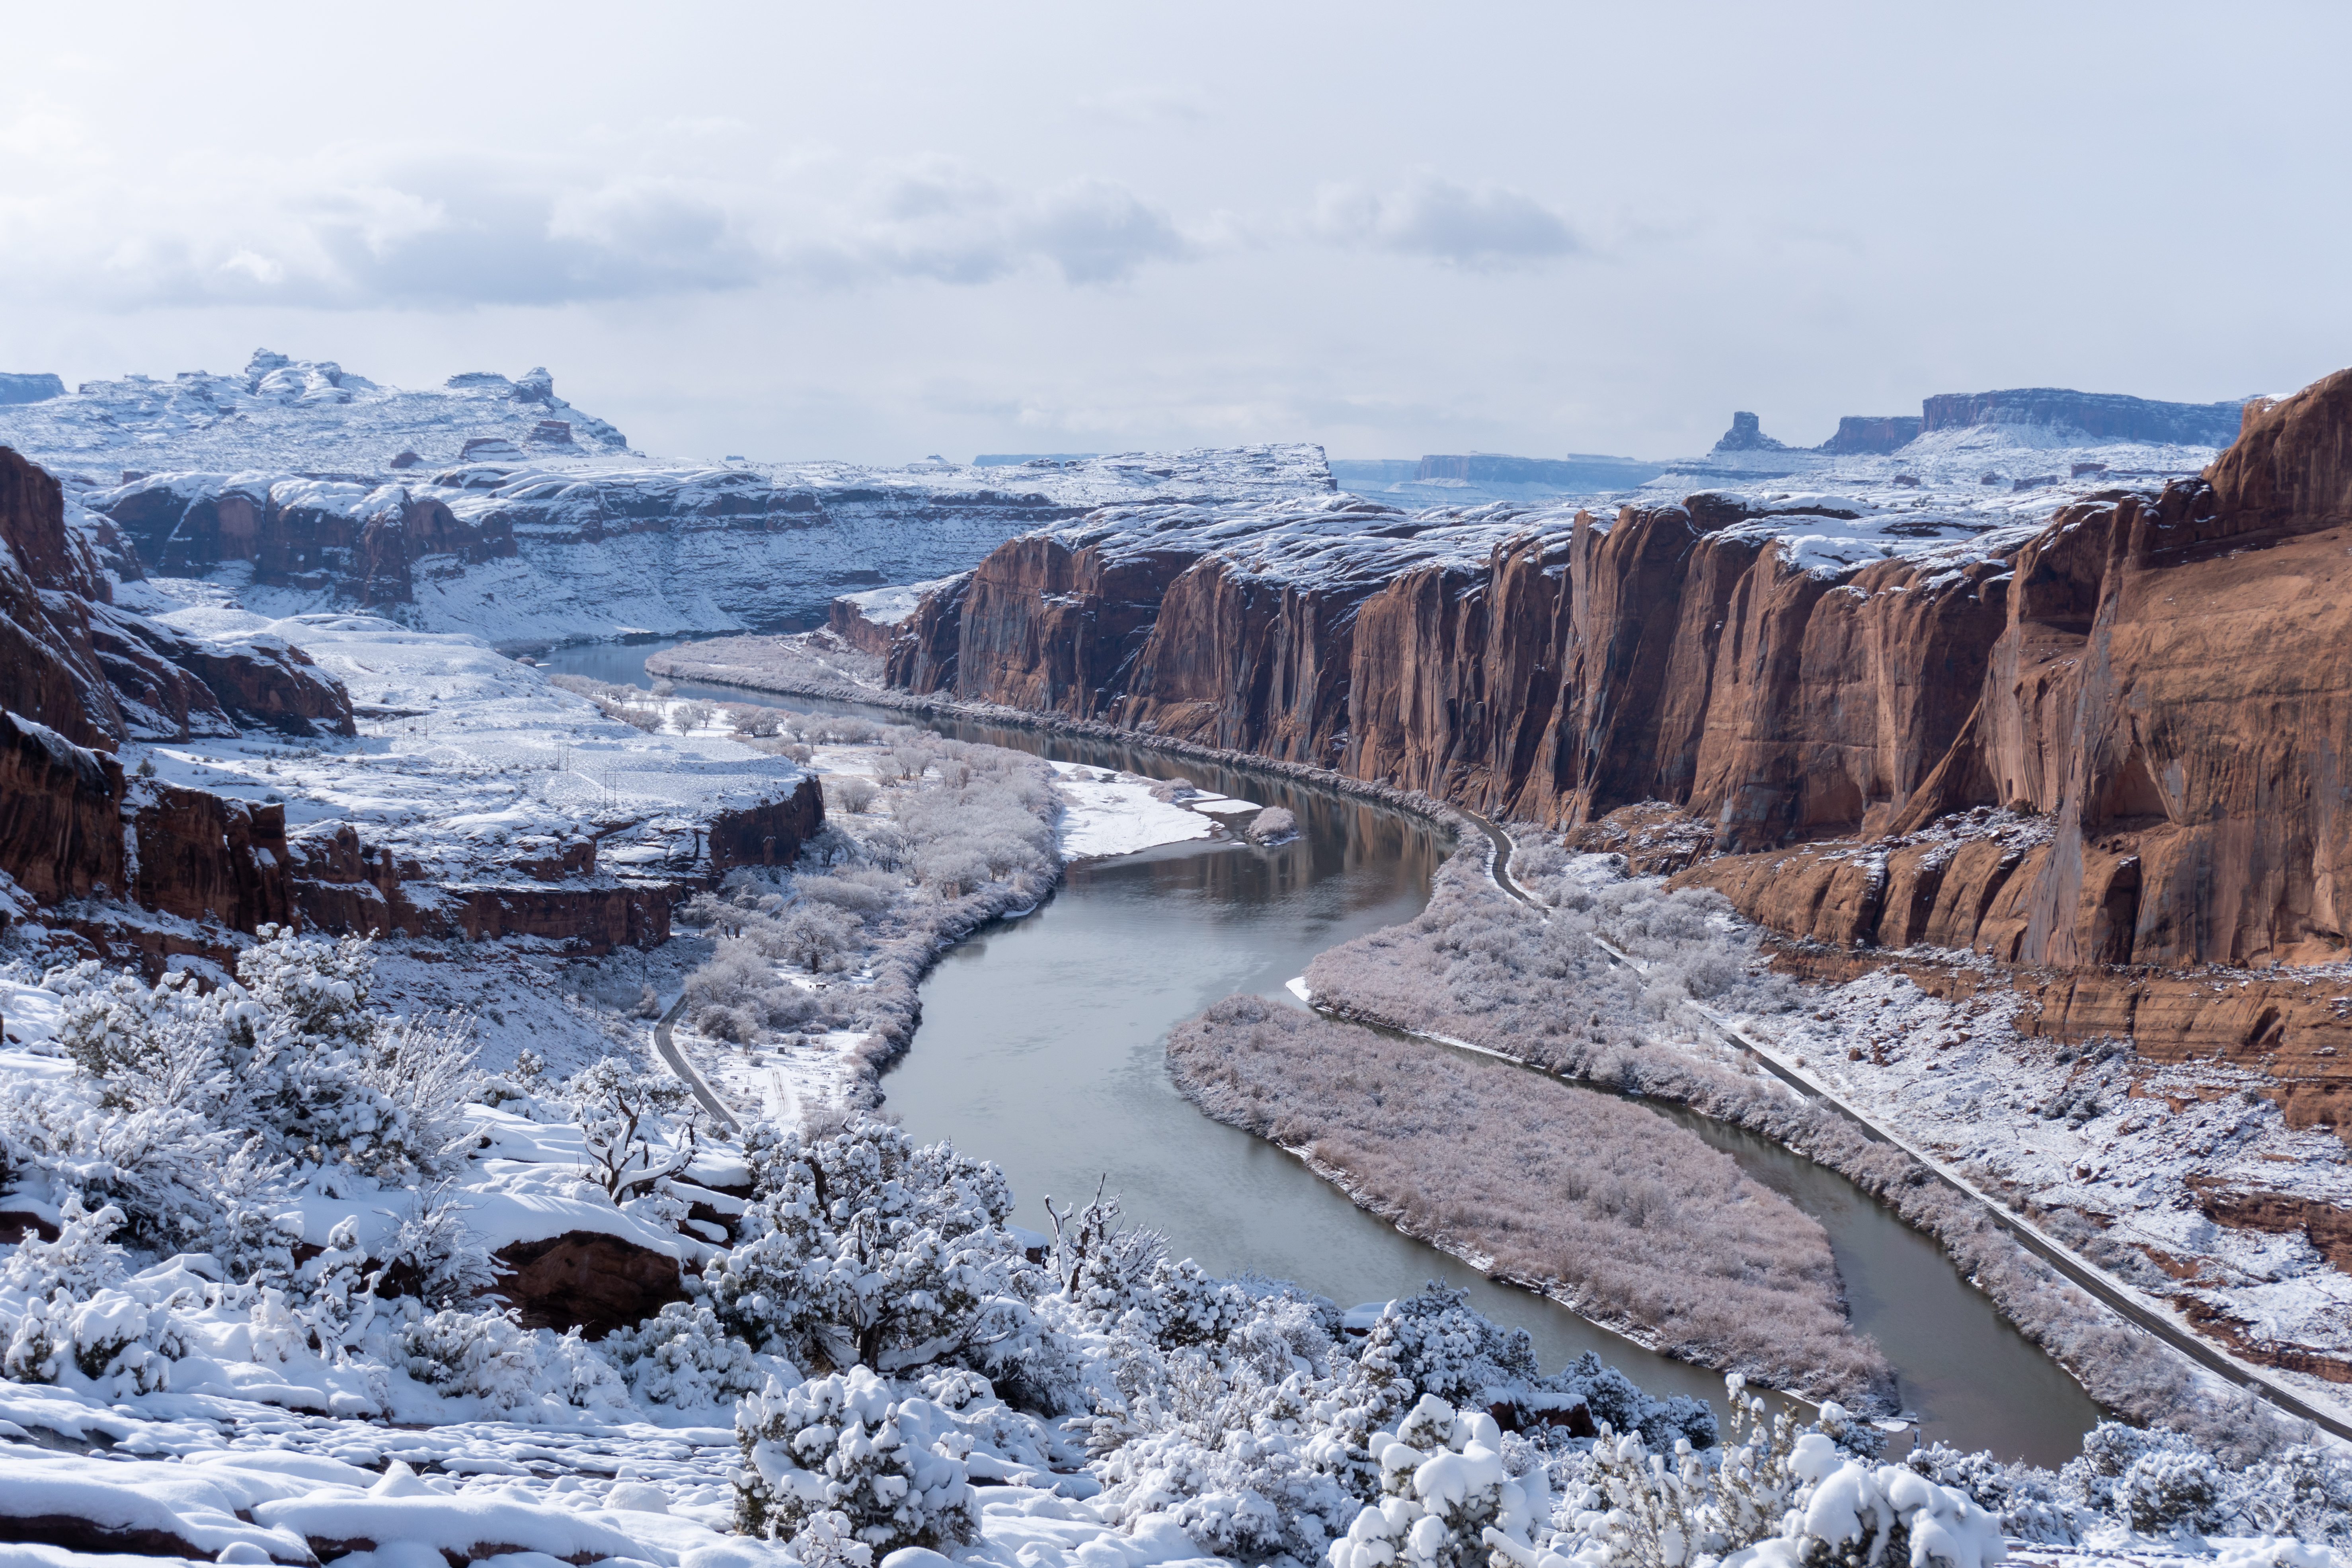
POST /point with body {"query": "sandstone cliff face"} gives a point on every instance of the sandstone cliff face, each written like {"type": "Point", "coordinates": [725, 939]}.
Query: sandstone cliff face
{"type": "Point", "coordinates": [2170, 694]}
{"type": "Point", "coordinates": [60, 813]}
{"type": "Point", "coordinates": [1554, 667]}
{"type": "Point", "coordinates": [362, 543]}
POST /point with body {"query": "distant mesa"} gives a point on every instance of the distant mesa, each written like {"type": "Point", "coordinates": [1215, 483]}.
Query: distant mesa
{"type": "Point", "coordinates": [2096, 417]}
{"type": "Point", "coordinates": [1019, 460]}
{"type": "Point", "coordinates": [1873, 433]}
{"type": "Point", "coordinates": [550, 433]}
{"type": "Point", "coordinates": [15, 388]}
{"type": "Point", "coordinates": [2102, 416]}
{"type": "Point", "coordinates": [489, 449]}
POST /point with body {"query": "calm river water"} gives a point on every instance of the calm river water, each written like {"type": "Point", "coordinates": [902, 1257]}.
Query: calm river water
{"type": "Point", "coordinates": [1040, 1047]}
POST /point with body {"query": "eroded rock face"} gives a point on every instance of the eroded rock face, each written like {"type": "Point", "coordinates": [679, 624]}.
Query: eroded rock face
{"type": "Point", "coordinates": [209, 859]}
{"type": "Point", "coordinates": [60, 813]}
{"type": "Point", "coordinates": [2170, 694]}
{"type": "Point", "coordinates": [364, 543]}
{"type": "Point", "coordinates": [769, 835]}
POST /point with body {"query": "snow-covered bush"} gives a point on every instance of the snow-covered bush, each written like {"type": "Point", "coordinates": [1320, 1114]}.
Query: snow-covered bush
{"type": "Point", "coordinates": [1265, 1440]}
{"type": "Point", "coordinates": [1275, 824]}
{"type": "Point", "coordinates": [849, 793]}
{"type": "Point", "coordinates": [68, 1317]}
{"type": "Point", "coordinates": [1773, 1497]}
{"type": "Point", "coordinates": [433, 1254]}
{"type": "Point", "coordinates": [292, 1051]}
{"type": "Point", "coordinates": [1447, 1499]}
{"type": "Point", "coordinates": [840, 1460]}
{"type": "Point", "coordinates": [1099, 1262]}
{"type": "Point", "coordinates": [83, 1260]}
{"type": "Point", "coordinates": [2161, 1483]}
{"type": "Point", "coordinates": [514, 1371]}
{"type": "Point", "coordinates": [2024, 1500]}
{"type": "Point", "coordinates": [684, 1358]}
{"type": "Point", "coordinates": [817, 936]}
{"type": "Point", "coordinates": [868, 1250]}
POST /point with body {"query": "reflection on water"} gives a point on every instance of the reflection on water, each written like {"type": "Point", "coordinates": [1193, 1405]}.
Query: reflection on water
{"type": "Point", "coordinates": [1041, 1048]}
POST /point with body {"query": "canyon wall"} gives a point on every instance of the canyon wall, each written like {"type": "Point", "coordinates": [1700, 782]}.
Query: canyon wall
{"type": "Point", "coordinates": [1853, 721]}
{"type": "Point", "coordinates": [79, 676]}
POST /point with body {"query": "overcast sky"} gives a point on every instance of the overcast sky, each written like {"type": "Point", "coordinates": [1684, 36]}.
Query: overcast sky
{"type": "Point", "coordinates": [878, 232]}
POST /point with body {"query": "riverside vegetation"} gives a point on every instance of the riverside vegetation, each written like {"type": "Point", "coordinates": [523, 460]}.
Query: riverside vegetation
{"type": "Point", "coordinates": [1634, 1223]}
{"type": "Point", "coordinates": [1536, 985]}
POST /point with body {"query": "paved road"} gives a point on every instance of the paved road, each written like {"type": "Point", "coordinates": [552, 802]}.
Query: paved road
{"type": "Point", "coordinates": [685, 1070]}
{"type": "Point", "coordinates": [2088, 1277]}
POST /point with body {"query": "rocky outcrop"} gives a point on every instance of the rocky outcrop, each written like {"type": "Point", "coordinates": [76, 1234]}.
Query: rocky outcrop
{"type": "Point", "coordinates": [60, 814]}
{"type": "Point", "coordinates": [209, 860]}
{"type": "Point", "coordinates": [263, 680]}
{"type": "Point", "coordinates": [767, 835]}
{"type": "Point", "coordinates": [2170, 693]}
{"type": "Point", "coordinates": [587, 1280]}
{"type": "Point", "coordinates": [1747, 435]}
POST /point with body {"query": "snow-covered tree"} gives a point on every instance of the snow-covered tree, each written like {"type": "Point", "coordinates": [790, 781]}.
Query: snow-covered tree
{"type": "Point", "coordinates": [639, 1128]}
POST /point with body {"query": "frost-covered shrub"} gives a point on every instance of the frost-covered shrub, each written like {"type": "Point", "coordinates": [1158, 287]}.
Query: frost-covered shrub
{"type": "Point", "coordinates": [2023, 1499]}
{"type": "Point", "coordinates": [1447, 1499]}
{"type": "Point", "coordinates": [868, 1250]}
{"type": "Point", "coordinates": [1100, 1264]}
{"type": "Point", "coordinates": [817, 936]}
{"type": "Point", "coordinates": [73, 1319]}
{"type": "Point", "coordinates": [433, 1254]}
{"type": "Point", "coordinates": [337, 1293]}
{"type": "Point", "coordinates": [682, 1357]}
{"type": "Point", "coordinates": [83, 1260]}
{"type": "Point", "coordinates": [859, 890]}
{"type": "Point", "coordinates": [513, 1370]}
{"type": "Point", "coordinates": [292, 1050]}
{"type": "Point", "coordinates": [849, 793]}
{"type": "Point", "coordinates": [838, 1459]}
{"type": "Point", "coordinates": [1777, 1498]}
{"type": "Point", "coordinates": [2158, 1482]}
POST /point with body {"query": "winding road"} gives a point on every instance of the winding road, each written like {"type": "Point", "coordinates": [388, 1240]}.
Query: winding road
{"type": "Point", "coordinates": [687, 1071]}
{"type": "Point", "coordinates": [2090, 1278]}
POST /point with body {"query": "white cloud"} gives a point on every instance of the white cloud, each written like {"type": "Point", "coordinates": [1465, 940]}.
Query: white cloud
{"type": "Point", "coordinates": [1482, 227]}
{"type": "Point", "coordinates": [939, 220]}
{"type": "Point", "coordinates": [343, 230]}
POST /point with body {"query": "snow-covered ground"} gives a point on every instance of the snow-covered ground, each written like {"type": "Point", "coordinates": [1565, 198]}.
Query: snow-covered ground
{"type": "Point", "coordinates": [1109, 813]}
{"type": "Point", "coordinates": [2116, 1152]}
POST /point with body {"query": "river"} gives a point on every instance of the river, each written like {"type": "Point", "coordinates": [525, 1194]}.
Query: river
{"type": "Point", "coordinates": [1040, 1047]}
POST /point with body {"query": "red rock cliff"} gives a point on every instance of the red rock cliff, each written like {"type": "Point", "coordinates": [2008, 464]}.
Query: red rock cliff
{"type": "Point", "coordinates": [2163, 681]}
